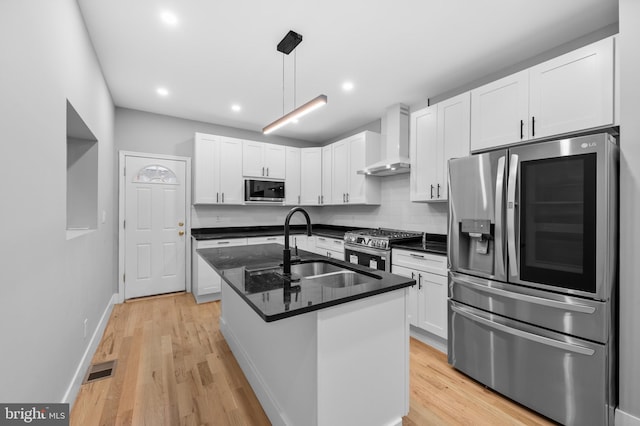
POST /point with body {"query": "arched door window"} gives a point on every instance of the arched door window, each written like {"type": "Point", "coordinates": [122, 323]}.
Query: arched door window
{"type": "Point", "coordinates": [156, 173]}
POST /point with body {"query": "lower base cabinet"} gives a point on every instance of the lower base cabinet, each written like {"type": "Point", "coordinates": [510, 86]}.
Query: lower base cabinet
{"type": "Point", "coordinates": [428, 298]}
{"type": "Point", "coordinates": [330, 247]}
{"type": "Point", "coordinates": [206, 283]}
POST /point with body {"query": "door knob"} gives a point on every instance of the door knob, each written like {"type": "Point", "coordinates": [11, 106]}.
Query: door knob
{"type": "Point", "coordinates": [180, 223]}
{"type": "Point", "coordinates": [181, 233]}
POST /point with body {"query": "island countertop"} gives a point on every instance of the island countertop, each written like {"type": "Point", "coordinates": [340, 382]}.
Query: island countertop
{"type": "Point", "coordinates": [254, 273]}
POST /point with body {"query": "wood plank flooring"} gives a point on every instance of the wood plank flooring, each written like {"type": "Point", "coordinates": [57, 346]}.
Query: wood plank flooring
{"type": "Point", "coordinates": [175, 368]}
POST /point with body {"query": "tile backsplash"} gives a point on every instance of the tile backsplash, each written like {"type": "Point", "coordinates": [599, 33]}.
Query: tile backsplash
{"type": "Point", "coordinates": [395, 211]}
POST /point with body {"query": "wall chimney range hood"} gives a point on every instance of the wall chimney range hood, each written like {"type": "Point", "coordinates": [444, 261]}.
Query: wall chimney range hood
{"type": "Point", "coordinates": [395, 151]}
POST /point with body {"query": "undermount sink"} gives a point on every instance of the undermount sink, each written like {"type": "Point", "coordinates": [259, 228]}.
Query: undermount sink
{"type": "Point", "coordinates": [331, 275]}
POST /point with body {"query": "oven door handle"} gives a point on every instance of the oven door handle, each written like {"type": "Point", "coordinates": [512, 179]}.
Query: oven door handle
{"type": "Point", "coordinates": [366, 250]}
{"type": "Point", "coordinates": [524, 334]}
{"type": "Point", "coordinates": [574, 307]}
{"type": "Point", "coordinates": [511, 215]}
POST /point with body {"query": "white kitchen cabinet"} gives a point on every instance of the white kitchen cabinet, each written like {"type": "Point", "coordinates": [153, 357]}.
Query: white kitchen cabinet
{"type": "Point", "coordinates": [311, 176]}
{"type": "Point", "coordinates": [327, 175]}
{"type": "Point", "coordinates": [217, 170]}
{"type": "Point", "coordinates": [430, 273]}
{"type": "Point", "coordinates": [206, 282]}
{"type": "Point", "coordinates": [330, 247]}
{"type": "Point", "coordinates": [438, 133]}
{"type": "Point", "coordinates": [453, 136]}
{"type": "Point", "coordinates": [292, 192]}
{"type": "Point", "coordinates": [350, 155]}
{"type": "Point", "coordinates": [412, 302]}
{"type": "Point", "coordinates": [303, 242]}
{"type": "Point", "coordinates": [499, 112]}
{"type": "Point", "coordinates": [261, 160]}
{"type": "Point", "coordinates": [422, 140]}
{"type": "Point", "coordinates": [572, 92]}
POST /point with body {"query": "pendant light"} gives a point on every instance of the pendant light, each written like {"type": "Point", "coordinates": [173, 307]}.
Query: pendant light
{"type": "Point", "coordinates": [286, 46]}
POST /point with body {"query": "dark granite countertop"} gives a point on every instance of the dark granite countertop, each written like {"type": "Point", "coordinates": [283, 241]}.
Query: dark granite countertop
{"type": "Point", "coordinates": [329, 231]}
{"type": "Point", "coordinates": [431, 243]}
{"type": "Point", "coordinates": [254, 273]}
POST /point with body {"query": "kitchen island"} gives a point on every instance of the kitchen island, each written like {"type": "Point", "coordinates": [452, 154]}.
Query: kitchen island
{"type": "Point", "coordinates": [328, 347]}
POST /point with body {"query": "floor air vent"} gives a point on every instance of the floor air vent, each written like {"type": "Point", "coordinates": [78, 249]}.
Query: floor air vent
{"type": "Point", "coordinates": [104, 370]}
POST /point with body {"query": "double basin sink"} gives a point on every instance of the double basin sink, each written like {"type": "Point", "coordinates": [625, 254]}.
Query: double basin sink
{"type": "Point", "coordinates": [324, 273]}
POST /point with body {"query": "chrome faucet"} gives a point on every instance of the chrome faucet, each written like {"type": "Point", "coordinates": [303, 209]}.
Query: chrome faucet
{"type": "Point", "coordinates": [286, 253]}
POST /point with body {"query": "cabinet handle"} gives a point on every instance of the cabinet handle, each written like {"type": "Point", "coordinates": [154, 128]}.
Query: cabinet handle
{"type": "Point", "coordinates": [344, 198]}
{"type": "Point", "coordinates": [217, 197]}
{"type": "Point", "coordinates": [328, 254]}
{"type": "Point", "coordinates": [438, 191]}
{"type": "Point", "coordinates": [267, 171]}
{"type": "Point", "coordinates": [419, 256]}
{"type": "Point", "coordinates": [431, 192]}
{"type": "Point", "coordinates": [223, 197]}
{"type": "Point", "coordinates": [533, 127]}
{"type": "Point", "coordinates": [271, 238]}
{"type": "Point", "coordinates": [419, 281]}
{"type": "Point", "coordinates": [263, 171]}
{"type": "Point", "coordinates": [337, 241]}
{"type": "Point", "coordinates": [321, 239]}
{"type": "Point", "coordinates": [318, 199]}
{"type": "Point", "coordinates": [322, 199]}
{"type": "Point", "coordinates": [347, 197]}
{"type": "Point", "coordinates": [222, 242]}
{"type": "Point", "coordinates": [521, 129]}
{"type": "Point", "coordinates": [181, 233]}
{"type": "Point", "coordinates": [298, 199]}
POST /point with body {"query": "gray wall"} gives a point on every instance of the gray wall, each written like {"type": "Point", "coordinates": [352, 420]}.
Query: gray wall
{"type": "Point", "coordinates": [629, 209]}
{"type": "Point", "coordinates": [49, 284]}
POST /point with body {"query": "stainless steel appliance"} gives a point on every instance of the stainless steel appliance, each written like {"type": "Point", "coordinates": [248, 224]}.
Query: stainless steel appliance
{"type": "Point", "coordinates": [263, 190]}
{"type": "Point", "coordinates": [532, 282]}
{"type": "Point", "coordinates": [372, 247]}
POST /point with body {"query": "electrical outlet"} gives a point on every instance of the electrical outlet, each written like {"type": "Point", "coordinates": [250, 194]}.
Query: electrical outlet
{"type": "Point", "coordinates": [84, 334]}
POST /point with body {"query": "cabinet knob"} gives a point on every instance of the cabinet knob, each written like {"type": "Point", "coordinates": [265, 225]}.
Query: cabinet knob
{"type": "Point", "coordinates": [181, 233]}
{"type": "Point", "coordinates": [180, 223]}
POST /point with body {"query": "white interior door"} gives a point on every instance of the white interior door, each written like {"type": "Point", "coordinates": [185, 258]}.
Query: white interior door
{"type": "Point", "coordinates": [155, 241]}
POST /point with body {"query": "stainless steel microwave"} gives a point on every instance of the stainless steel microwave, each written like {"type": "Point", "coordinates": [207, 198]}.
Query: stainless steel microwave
{"type": "Point", "coordinates": [263, 190]}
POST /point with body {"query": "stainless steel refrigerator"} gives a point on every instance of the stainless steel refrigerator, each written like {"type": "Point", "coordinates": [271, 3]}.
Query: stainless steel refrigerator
{"type": "Point", "coordinates": [533, 275]}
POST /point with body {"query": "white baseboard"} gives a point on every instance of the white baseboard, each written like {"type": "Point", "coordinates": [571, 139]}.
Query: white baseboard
{"type": "Point", "coordinates": [429, 339]}
{"type": "Point", "coordinates": [74, 387]}
{"type": "Point", "coordinates": [626, 419]}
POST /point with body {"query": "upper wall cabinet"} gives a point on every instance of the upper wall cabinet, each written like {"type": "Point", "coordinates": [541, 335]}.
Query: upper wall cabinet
{"type": "Point", "coordinates": [348, 156]}
{"type": "Point", "coordinates": [217, 170]}
{"type": "Point", "coordinates": [572, 92]}
{"type": "Point", "coordinates": [327, 175]}
{"type": "Point", "coordinates": [311, 176]}
{"type": "Point", "coordinates": [292, 182]}
{"type": "Point", "coordinates": [438, 133]}
{"type": "Point", "coordinates": [261, 159]}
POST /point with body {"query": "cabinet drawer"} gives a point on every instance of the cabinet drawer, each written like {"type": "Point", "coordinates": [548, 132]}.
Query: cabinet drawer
{"type": "Point", "coordinates": [427, 262]}
{"type": "Point", "coordinates": [221, 243]}
{"type": "Point", "coordinates": [329, 243]}
{"type": "Point", "coordinates": [279, 239]}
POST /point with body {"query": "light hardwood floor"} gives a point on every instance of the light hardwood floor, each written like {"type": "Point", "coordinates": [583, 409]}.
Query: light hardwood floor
{"type": "Point", "coordinates": [175, 368]}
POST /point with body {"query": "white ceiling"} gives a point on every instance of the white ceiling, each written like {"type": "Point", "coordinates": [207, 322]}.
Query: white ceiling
{"type": "Point", "coordinates": [224, 52]}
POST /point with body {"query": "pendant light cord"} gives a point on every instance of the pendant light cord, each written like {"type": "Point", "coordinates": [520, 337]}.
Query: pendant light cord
{"type": "Point", "coordinates": [283, 84]}
{"type": "Point", "coordinates": [295, 62]}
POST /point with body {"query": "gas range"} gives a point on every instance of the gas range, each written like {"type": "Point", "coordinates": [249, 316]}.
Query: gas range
{"type": "Point", "coordinates": [380, 238]}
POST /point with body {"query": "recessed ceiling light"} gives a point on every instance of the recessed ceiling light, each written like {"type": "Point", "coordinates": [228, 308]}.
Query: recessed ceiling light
{"type": "Point", "coordinates": [236, 107]}
{"type": "Point", "coordinates": [169, 18]}
{"type": "Point", "coordinates": [162, 91]}
{"type": "Point", "coordinates": [347, 86]}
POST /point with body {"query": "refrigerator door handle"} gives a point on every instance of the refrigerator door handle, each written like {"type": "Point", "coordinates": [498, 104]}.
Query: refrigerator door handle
{"type": "Point", "coordinates": [499, 208]}
{"type": "Point", "coordinates": [523, 334]}
{"type": "Point", "coordinates": [511, 215]}
{"type": "Point", "coordinates": [573, 307]}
